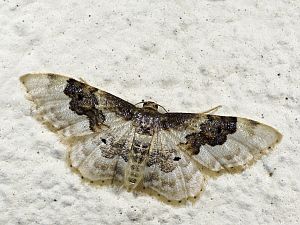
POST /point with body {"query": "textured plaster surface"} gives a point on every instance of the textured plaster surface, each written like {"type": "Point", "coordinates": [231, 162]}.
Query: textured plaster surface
{"type": "Point", "coordinates": [186, 55]}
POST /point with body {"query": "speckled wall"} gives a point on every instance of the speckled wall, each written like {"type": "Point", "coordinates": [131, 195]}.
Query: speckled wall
{"type": "Point", "coordinates": [188, 56]}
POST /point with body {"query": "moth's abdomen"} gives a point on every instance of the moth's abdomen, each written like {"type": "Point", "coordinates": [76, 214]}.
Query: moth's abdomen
{"type": "Point", "coordinates": [137, 158]}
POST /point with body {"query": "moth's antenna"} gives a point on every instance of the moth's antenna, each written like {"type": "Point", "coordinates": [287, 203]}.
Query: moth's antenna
{"type": "Point", "coordinates": [139, 102]}
{"type": "Point", "coordinates": [212, 110]}
{"type": "Point", "coordinates": [162, 107]}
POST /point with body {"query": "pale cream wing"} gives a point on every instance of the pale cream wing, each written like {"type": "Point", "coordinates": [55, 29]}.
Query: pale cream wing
{"type": "Point", "coordinates": [103, 156]}
{"type": "Point", "coordinates": [46, 91]}
{"type": "Point", "coordinates": [87, 119]}
{"type": "Point", "coordinates": [72, 108]}
{"type": "Point", "coordinates": [220, 142]}
{"type": "Point", "coordinates": [169, 171]}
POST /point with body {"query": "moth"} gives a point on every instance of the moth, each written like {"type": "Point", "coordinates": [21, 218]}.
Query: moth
{"type": "Point", "coordinates": [170, 153]}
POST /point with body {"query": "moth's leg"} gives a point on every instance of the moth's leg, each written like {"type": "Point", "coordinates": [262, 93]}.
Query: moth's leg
{"type": "Point", "coordinates": [212, 110]}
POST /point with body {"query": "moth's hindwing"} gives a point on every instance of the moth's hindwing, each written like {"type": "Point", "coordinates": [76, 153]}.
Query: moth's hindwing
{"type": "Point", "coordinates": [170, 171]}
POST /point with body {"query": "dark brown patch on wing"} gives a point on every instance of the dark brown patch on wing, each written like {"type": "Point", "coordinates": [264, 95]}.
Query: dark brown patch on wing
{"type": "Point", "coordinates": [83, 102]}
{"type": "Point", "coordinates": [175, 120]}
{"type": "Point", "coordinates": [119, 106]}
{"type": "Point", "coordinates": [213, 132]}
{"type": "Point", "coordinates": [164, 159]}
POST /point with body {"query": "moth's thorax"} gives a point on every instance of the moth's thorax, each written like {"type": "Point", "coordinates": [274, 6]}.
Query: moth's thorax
{"type": "Point", "coordinates": [146, 122]}
{"type": "Point", "coordinates": [137, 159]}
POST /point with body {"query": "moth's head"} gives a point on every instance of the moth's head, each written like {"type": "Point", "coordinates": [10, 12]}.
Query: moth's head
{"type": "Point", "coordinates": [150, 106]}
